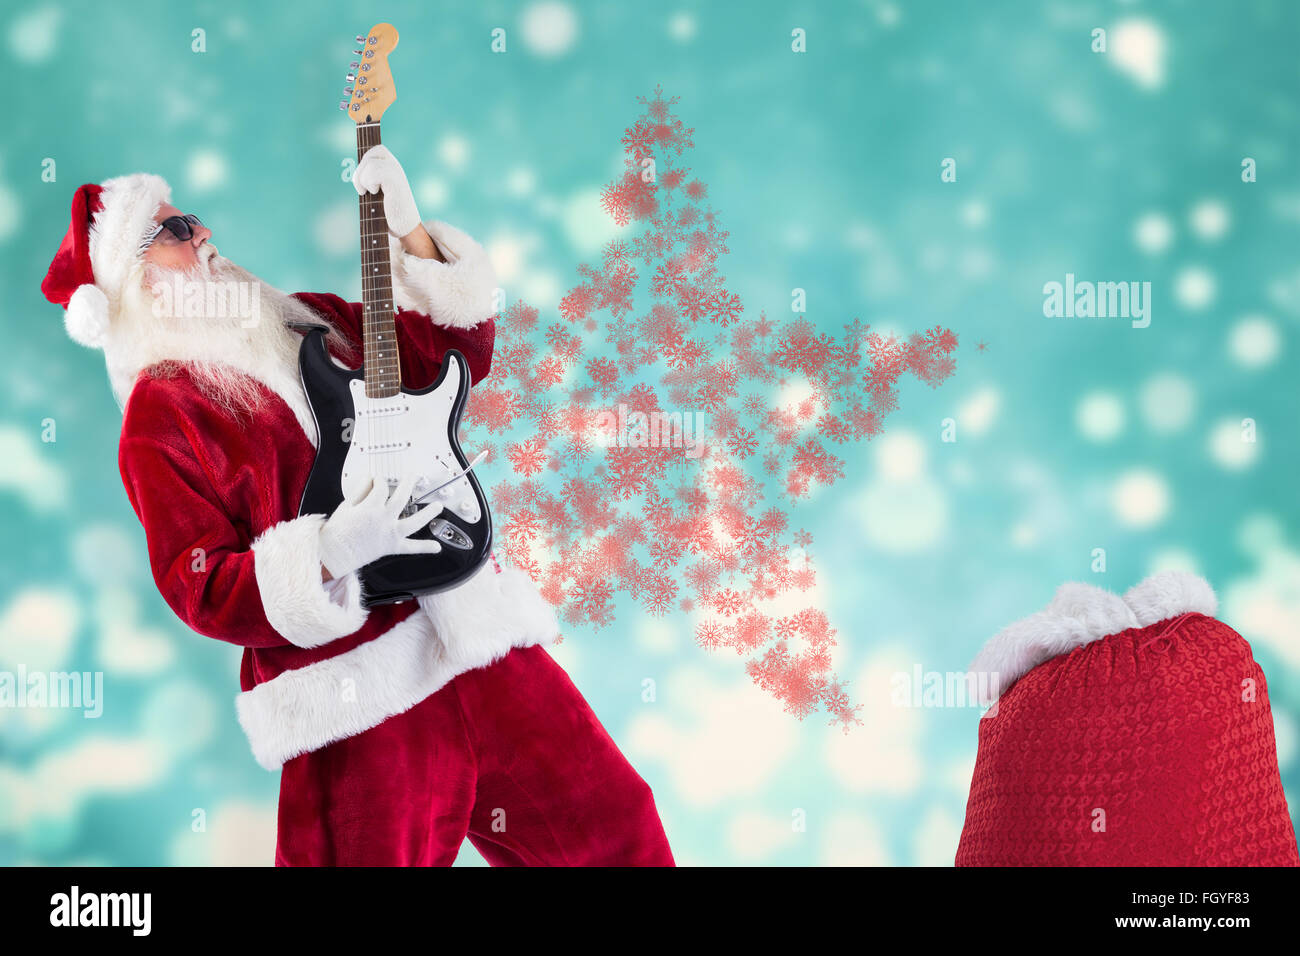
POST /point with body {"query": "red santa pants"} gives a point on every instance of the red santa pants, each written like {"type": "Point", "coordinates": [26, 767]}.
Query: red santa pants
{"type": "Point", "coordinates": [510, 755]}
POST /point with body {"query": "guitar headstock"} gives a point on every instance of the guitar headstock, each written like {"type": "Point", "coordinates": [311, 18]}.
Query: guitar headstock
{"type": "Point", "coordinates": [371, 90]}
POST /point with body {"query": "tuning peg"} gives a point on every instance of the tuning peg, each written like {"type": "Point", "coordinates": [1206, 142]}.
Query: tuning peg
{"type": "Point", "coordinates": [353, 65]}
{"type": "Point", "coordinates": [356, 52]}
{"type": "Point", "coordinates": [344, 106]}
{"type": "Point", "coordinates": [347, 91]}
{"type": "Point", "coordinates": [361, 39]}
{"type": "Point", "coordinates": [350, 77]}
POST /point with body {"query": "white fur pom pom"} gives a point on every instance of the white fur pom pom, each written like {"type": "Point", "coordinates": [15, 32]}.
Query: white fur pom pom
{"type": "Point", "coordinates": [87, 316]}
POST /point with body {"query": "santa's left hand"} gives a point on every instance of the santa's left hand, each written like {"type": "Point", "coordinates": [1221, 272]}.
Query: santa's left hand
{"type": "Point", "coordinates": [379, 169]}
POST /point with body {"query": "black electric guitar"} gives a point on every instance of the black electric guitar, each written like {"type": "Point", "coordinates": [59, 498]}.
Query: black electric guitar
{"type": "Point", "coordinates": [372, 427]}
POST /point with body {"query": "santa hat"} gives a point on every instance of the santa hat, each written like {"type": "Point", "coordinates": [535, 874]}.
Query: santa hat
{"type": "Point", "coordinates": [1129, 731]}
{"type": "Point", "coordinates": [110, 223]}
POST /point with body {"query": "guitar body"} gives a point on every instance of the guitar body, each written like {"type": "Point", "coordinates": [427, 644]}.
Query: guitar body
{"type": "Point", "coordinates": [411, 431]}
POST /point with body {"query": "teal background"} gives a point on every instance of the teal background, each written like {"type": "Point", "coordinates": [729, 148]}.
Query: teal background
{"type": "Point", "coordinates": [825, 168]}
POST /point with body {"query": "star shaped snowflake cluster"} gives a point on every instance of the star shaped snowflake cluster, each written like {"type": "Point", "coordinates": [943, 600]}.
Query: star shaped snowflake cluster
{"type": "Point", "coordinates": [613, 490]}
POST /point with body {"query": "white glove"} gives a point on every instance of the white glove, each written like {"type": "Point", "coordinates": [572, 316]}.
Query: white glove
{"type": "Point", "coordinates": [379, 169]}
{"type": "Point", "coordinates": [368, 527]}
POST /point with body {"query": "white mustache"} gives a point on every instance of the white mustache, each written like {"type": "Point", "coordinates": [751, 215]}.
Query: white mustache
{"type": "Point", "coordinates": [208, 257]}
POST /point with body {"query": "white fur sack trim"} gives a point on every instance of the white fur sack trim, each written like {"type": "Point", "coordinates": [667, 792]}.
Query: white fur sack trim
{"type": "Point", "coordinates": [457, 293]}
{"type": "Point", "coordinates": [86, 316]}
{"type": "Point", "coordinates": [130, 203]}
{"type": "Point", "coordinates": [297, 603]}
{"type": "Point", "coordinates": [308, 708]}
{"type": "Point", "coordinates": [1082, 613]}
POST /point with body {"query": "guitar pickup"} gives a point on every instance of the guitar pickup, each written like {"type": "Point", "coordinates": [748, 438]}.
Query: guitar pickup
{"type": "Point", "coordinates": [445, 531]}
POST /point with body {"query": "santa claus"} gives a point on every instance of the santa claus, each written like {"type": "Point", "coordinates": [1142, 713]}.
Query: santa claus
{"type": "Point", "coordinates": [399, 729]}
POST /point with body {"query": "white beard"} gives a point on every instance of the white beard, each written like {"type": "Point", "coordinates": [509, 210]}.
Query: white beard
{"type": "Point", "coordinates": [229, 344]}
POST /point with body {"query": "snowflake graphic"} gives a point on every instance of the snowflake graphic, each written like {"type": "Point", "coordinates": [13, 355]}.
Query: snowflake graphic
{"type": "Point", "coordinates": [612, 492]}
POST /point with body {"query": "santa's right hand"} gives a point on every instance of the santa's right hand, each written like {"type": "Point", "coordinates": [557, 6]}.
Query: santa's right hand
{"type": "Point", "coordinates": [369, 526]}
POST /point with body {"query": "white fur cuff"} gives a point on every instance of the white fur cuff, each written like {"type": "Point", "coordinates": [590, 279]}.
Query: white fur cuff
{"type": "Point", "coordinates": [1082, 613]}
{"type": "Point", "coordinates": [457, 293]}
{"type": "Point", "coordinates": [297, 603]}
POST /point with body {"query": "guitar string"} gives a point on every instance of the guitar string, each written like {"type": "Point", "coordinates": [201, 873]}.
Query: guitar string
{"type": "Point", "coordinates": [379, 317]}
{"type": "Point", "coordinates": [373, 370]}
{"type": "Point", "coordinates": [366, 299]}
{"type": "Point", "coordinates": [376, 378]}
{"type": "Point", "coordinates": [382, 373]}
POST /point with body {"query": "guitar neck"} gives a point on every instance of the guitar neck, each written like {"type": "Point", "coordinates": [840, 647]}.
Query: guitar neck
{"type": "Point", "coordinates": [383, 373]}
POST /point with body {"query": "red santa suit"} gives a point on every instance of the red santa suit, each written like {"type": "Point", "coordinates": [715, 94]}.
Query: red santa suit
{"type": "Point", "coordinates": [401, 729]}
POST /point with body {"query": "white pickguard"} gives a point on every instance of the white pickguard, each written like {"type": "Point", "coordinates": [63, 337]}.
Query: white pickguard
{"type": "Point", "coordinates": [407, 434]}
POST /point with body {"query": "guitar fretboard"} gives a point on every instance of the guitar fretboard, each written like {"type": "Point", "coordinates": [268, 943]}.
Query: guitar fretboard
{"type": "Point", "coordinates": [383, 372]}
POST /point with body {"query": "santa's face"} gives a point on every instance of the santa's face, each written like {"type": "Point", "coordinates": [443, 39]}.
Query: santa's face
{"type": "Point", "coordinates": [168, 251]}
{"type": "Point", "coordinates": [230, 327]}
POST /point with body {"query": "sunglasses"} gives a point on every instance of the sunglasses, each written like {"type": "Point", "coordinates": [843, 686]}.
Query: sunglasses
{"type": "Point", "coordinates": [182, 227]}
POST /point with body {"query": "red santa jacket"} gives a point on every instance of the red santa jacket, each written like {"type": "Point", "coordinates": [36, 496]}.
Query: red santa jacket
{"type": "Point", "coordinates": [218, 499]}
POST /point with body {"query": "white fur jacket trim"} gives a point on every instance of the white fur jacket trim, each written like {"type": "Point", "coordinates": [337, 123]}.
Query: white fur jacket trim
{"type": "Point", "coordinates": [469, 627]}
{"type": "Point", "coordinates": [1082, 613]}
